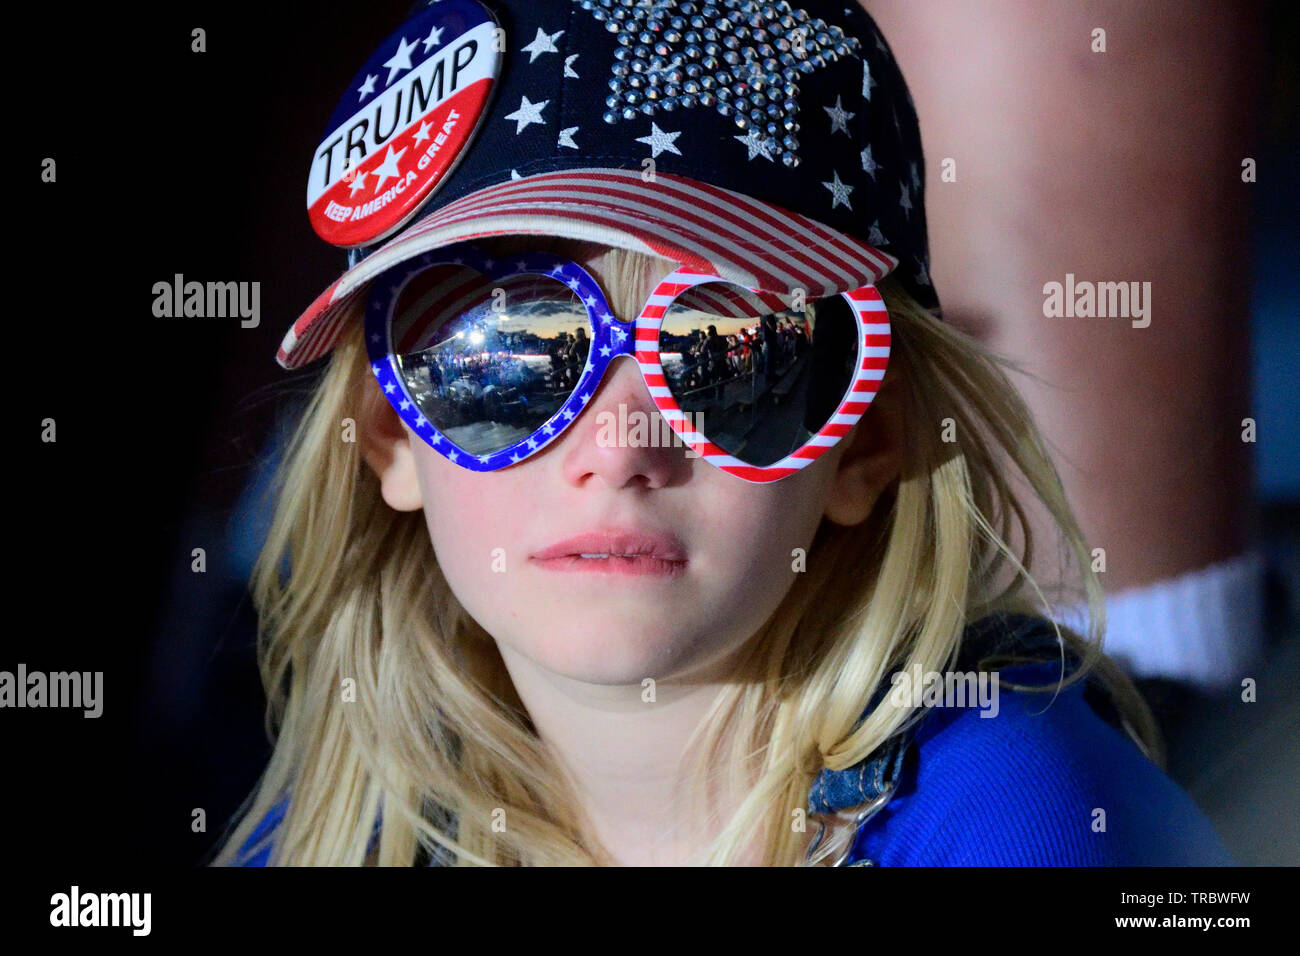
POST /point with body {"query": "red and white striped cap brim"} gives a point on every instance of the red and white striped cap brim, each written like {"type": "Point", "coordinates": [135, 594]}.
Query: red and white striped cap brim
{"type": "Point", "coordinates": [753, 243]}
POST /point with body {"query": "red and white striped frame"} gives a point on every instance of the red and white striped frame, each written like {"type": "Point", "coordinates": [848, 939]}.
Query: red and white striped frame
{"type": "Point", "coordinates": [873, 359]}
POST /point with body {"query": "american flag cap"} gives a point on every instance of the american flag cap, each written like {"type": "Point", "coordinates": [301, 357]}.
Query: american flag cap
{"type": "Point", "coordinates": [776, 145]}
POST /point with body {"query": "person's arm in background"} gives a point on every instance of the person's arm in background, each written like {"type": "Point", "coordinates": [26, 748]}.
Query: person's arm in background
{"type": "Point", "coordinates": [1117, 166]}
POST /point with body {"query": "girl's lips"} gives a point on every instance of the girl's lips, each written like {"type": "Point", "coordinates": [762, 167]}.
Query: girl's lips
{"type": "Point", "coordinates": [613, 564]}
{"type": "Point", "coordinates": [627, 551]}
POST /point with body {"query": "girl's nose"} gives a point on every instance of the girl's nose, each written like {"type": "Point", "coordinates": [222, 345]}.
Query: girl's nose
{"type": "Point", "coordinates": [621, 438]}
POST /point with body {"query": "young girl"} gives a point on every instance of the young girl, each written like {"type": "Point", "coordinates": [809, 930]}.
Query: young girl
{"type": "Point", "coordinates": [499, 630]}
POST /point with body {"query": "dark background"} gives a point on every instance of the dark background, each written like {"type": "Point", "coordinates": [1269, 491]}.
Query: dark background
{"type": "Point", "coordinates": [175, 162]}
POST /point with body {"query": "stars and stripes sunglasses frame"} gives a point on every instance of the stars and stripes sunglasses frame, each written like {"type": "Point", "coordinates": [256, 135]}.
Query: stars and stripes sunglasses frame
{"type": "Point", "coordinates": [611, 337]}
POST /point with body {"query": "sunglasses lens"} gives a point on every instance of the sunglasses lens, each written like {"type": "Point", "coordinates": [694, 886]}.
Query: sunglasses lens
{"type": "Point", "coordinates": [488, 362]}
{"type": "Point", "coordinates": [758, 380]}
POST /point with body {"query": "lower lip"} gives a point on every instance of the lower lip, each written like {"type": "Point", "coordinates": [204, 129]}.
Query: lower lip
{"type": "Point", "coordinates": [638, 566]}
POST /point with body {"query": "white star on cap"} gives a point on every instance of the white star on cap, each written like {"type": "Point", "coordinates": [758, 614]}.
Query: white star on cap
{"type": "Point", "coordinates": [868, 81]}
{"type": "Point", "coordinates": [422, 133]}
{"type": "Point", "coordinates": [839, 191]}
{"type": "Point", "coordinates": [869, 164]}
{"type": "Point", "coordinates": [542, 43]}
{"type": "Point", "coordinates": [906, 201]}
{"type": "Point", "coordinates": [527, 113]}
{"type": "Point", "coordinates": [839, 117]}
{"type": "Point", "coordinates": [876, 237]}
{"type": "Point", "coordinates": [758, 144]}
{"type": "Point", "coordinates": [916, 178]}
{"type": "Point", "coordinates": [388, 168]}
{"type": "Point", "coordinates": [568, 69]}
{"type": "Point", "coordinates": [433, 39]}
{"type": "Point", "coordinates": [515, 175]}
{"type": "Point", "coordinates": [566, 137]}
{"type": "Point", "coordinates": [367, 87]}
{"type": "Point", "coordinates": [659, 140]}
{"type": "Point", "coordinates": [401, 60]}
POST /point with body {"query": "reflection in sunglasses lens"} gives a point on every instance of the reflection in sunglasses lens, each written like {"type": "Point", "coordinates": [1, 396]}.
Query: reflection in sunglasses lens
{"type": "Point", "coordinates": [489, 361]}
{"type": "Point", "coordinates": [757, 379]}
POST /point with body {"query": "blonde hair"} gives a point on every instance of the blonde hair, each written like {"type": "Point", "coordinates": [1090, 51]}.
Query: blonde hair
{"type": "Point", "coordinates": [436, 738]}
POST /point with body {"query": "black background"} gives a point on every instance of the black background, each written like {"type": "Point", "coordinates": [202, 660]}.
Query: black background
{"type": "Point", "coordinates": [168, 161]}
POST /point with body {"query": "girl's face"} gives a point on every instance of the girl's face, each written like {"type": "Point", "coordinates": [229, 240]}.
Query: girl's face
{"type": "Point", "coordinates": [724, 550]}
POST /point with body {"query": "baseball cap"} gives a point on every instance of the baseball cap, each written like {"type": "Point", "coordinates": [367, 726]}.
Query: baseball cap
{"type": "Point", "coordinates": [774, 144]}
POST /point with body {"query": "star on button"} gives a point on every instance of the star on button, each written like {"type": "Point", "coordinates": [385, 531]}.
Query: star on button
{"type": "Point", "coordinates": [358, 182]}
{"type": "Point", "coordinates": [659, 140]}
{"type": "Point", "coordinates": [433, 39]}
{"type": "Point", "coordinates": [527, 114]}
{"type": "Point", "coordinates": [422, 133]}
{"type": "Point", "coordinates": [839, 191]}
{"type": "Point", "coordinates": [367, 87]}
{"type": "Point", "coordinates": [399, 61]}
{"type": "Point", "coordinates": [388, 168]}
{"type": "Point", "coordinates": [542, 43]}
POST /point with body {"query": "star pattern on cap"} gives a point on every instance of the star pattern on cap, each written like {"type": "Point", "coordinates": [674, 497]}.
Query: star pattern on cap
{"type": "Point", "coordinates": [839, 116]}
{"type": "Point", "coordinates": [734, 56]}
{"type": "Point", "coordinates": [869, 164]}
{"type": "Point", "coordinates": [527, 113]}
{"type": "Point", "coordinates": [839, 192]}
{"type": "Point", "coordinates": [542, 43]}
{"type": "Point", "coordinates": [659, 140]}
{"type": "Point", "coordinates": [758, 145]}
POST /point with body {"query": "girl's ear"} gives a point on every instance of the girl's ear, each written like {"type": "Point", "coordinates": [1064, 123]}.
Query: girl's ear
{"type": "Point", "coordinates": [386, 448]}
{"type": "Point", "coordinates": [873, 458]}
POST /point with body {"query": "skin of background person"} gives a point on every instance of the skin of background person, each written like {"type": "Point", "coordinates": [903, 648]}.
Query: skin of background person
{"type": "Point", "coordinates": [1116, 166]}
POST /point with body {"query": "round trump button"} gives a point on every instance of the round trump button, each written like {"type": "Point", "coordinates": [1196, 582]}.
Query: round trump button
{"type": "Point", "coordinates": [404, 123]}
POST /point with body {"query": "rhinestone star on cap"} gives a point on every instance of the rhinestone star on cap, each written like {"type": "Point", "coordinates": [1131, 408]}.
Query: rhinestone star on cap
{"type": "Point", "coordinates": [740, 57]}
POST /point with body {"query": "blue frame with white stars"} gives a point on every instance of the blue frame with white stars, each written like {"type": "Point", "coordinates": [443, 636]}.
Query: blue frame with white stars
{"type": "Point", "coordinates": [610, 337]}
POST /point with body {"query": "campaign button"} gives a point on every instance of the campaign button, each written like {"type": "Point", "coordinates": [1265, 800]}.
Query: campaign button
{"type": "Point", "coordinates": [404, 123]}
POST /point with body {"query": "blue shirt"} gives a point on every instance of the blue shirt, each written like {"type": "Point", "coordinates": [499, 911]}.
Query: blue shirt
{"type": "Point", "coordinates": [1048, 781]}
{"type": "Point", "coordinates": [1037, 785]}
